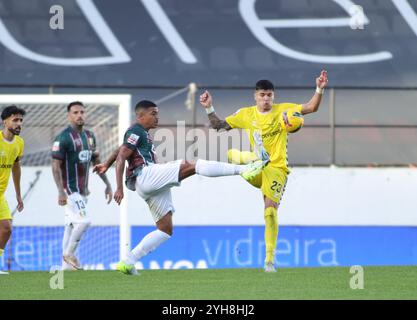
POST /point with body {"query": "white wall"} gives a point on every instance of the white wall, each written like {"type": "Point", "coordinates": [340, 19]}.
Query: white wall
{"type": "Point", "coordinates": [314, 196]}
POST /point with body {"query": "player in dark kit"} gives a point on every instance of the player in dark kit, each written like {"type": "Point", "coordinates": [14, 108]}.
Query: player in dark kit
{"type": "Point", "coordinates": [72, 153]}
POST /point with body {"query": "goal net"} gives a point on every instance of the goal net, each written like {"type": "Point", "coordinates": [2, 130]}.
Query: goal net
{"type": "Point", "coordinates": [36, 243]}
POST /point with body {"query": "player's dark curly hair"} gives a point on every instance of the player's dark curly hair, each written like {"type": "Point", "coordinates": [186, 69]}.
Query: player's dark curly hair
{"type": "Point", "coordinates": [264, 85]}
{"type": "Point", "coordinates": [11, 110]}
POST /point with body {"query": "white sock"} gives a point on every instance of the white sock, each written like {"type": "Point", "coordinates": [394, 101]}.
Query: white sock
{"type": "Point", "coordinates": [67, 235]}
{"type": "Point", "coordinates": [149, 243]}
{"type": "Point", "coordinates": [76, 235]}
{"type": "Point", "coordinates": [217, 169]}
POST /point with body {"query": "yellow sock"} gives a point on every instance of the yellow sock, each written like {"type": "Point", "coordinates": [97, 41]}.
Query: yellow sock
{"type": "Point", "coordinates": [271, 233]}
{"type": "Point", "coordinates": [1, 252]}
{"type": "Point", "coordinates": [240, 157]}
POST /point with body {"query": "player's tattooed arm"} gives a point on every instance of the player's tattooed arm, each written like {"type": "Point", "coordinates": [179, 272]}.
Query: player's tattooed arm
{"type": "Point", "coordinates": [217, 123]}
{"type": "Point", "coordinates": [56, 171]}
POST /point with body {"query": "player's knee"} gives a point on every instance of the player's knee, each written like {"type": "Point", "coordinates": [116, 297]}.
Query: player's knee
{"type": "Point", "coordinates": [233, 156]}
{"type": "Point", "coordinates": [187, 165]}
{"type": "Point", "coordinates": [270, 204]}
{"type": "Point", "coordinates": [6, 230]}
{"type": "Point", "coordinates": [186, 169]}
{"type": "Point", "coordinates": [270, 212]}
{"type": "Point", "coordinates": [168, 229]}
{"type": "Point", "coordinates": [165, 224]}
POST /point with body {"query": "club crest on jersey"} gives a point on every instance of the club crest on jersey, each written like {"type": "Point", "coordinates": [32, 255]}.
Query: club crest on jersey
{"type": "Point", "coordinates": [133, 139]}
{"type": "Point", "coordinates": [55, 146]}
{"type": "Point", "coordinates": [78, 143]}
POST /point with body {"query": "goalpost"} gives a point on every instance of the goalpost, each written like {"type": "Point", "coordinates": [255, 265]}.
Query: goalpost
{"type": "Point", "coordinates": [108, 116]}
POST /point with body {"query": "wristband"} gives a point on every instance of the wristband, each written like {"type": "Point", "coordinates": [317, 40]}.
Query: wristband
{"type": "Point", "coordinates": [319, 90]}
{"type": "Point", "coordinates": [210, 110]}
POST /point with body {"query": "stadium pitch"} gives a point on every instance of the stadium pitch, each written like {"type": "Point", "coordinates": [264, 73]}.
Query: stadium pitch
{"type": "Point", "coordinates": [396, 282]}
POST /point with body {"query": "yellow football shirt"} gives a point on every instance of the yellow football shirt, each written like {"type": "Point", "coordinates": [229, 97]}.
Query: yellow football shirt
{"type": "Point", "coordinates": [9, 152]}
{"type": "Point", "coordinates": [267, 125]}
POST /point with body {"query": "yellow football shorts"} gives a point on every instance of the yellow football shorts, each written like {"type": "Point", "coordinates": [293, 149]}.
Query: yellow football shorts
{"type": "Point", "coordinates": [272, 182]}
{"type": "Point", "coordinates": [4, 209]}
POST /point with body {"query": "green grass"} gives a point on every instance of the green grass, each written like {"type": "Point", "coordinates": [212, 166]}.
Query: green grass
{"type": "Point", "coordinates": [222, 284]}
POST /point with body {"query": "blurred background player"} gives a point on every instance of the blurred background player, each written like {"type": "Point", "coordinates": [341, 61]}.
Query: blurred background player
{"type": "Point", "coordinates": [73, 150]}
{"type": "Point", "coordinates": [11, 150]}
{"type": "Point", "coordinates": [265, 131]}
{"type": "Point", "coordinates": [153, 181]}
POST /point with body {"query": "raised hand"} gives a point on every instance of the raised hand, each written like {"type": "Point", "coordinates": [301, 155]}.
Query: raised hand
{"type": "Point", "coordinates": [322, 80]}
{"type": "Point", "coordinates": [206, 100]}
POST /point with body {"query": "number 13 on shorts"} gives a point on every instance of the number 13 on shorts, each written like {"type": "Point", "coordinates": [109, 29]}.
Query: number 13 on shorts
{"type": "Point", "coordinates": [81, 207]}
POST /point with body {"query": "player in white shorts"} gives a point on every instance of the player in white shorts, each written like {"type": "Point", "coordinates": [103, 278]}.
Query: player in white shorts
{"type": "Point", "coordinates": [76, 209]}
{"type": "Point", "coordinates": [153, 181]}
{"type": "Point", "coordinates": [72, 152]}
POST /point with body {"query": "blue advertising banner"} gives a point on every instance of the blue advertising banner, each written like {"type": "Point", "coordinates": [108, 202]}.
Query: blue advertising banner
{"type": "Point", "coordinates": [39, 248]}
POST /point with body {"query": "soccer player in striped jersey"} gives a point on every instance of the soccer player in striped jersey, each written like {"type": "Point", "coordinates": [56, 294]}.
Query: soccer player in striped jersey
{"type": "Point", "coordinates": [262, 124]}
{"type": "Point", "coordinates": [11, 150]}
{"type": "Point", "coordinates": [153, 181]}
{"type": "Point", "coordinates": [72, 153]}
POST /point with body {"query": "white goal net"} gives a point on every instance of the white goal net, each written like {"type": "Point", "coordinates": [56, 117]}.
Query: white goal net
{"type": "Point", "coordinates": [36, 243]}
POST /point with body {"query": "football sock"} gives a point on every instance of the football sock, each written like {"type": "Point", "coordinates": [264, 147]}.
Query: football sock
{"type": "Point", "coordinates": [217, 169]}
{"type": "Point", "coordinates": [240, 157]}
{"type": "Point", "coordinates": [271, 233]}
{"type": "Point", "coordinates": [67, 235]}
{"type": "Point", "coordinates": [76, 235]}
{"type": "Point", "coordinates": [148, 244]}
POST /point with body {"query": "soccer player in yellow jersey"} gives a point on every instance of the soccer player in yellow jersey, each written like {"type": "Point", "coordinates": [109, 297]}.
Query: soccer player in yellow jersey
{"type": "Point", "coordinates": [262, 124]}
{"type": "Point", "coordinates": [11, 150]}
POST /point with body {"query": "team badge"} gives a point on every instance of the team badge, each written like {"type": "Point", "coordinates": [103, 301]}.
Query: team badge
{"type": "Point", "coordinates": [55, 146]}
{"type": "Point", "coordinates": [133, 139]}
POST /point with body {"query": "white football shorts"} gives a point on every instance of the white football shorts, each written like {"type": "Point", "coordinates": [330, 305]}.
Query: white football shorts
{"type": "Point", "coordinates": [76, 209]}
{"type": "Point", "coordinates": [153, 184]}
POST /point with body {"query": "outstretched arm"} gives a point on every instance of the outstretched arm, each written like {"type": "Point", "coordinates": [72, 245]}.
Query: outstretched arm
{"type": "Point", "coordinates": [16, 172]}
{"type": "Point", "coordinates": [216, 123]}
{"type": "Point", "coordinates": [101, 168]}
{"type": "Point", "coordinates": [124, 153]}
{"type": "Point", "coordinates": [314, 103]}
{"type": "Point", "coordinates": [108, 193]}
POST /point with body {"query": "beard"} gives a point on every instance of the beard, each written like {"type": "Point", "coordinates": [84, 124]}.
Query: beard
{"type": "Point", "coordinates": [16, 131]}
